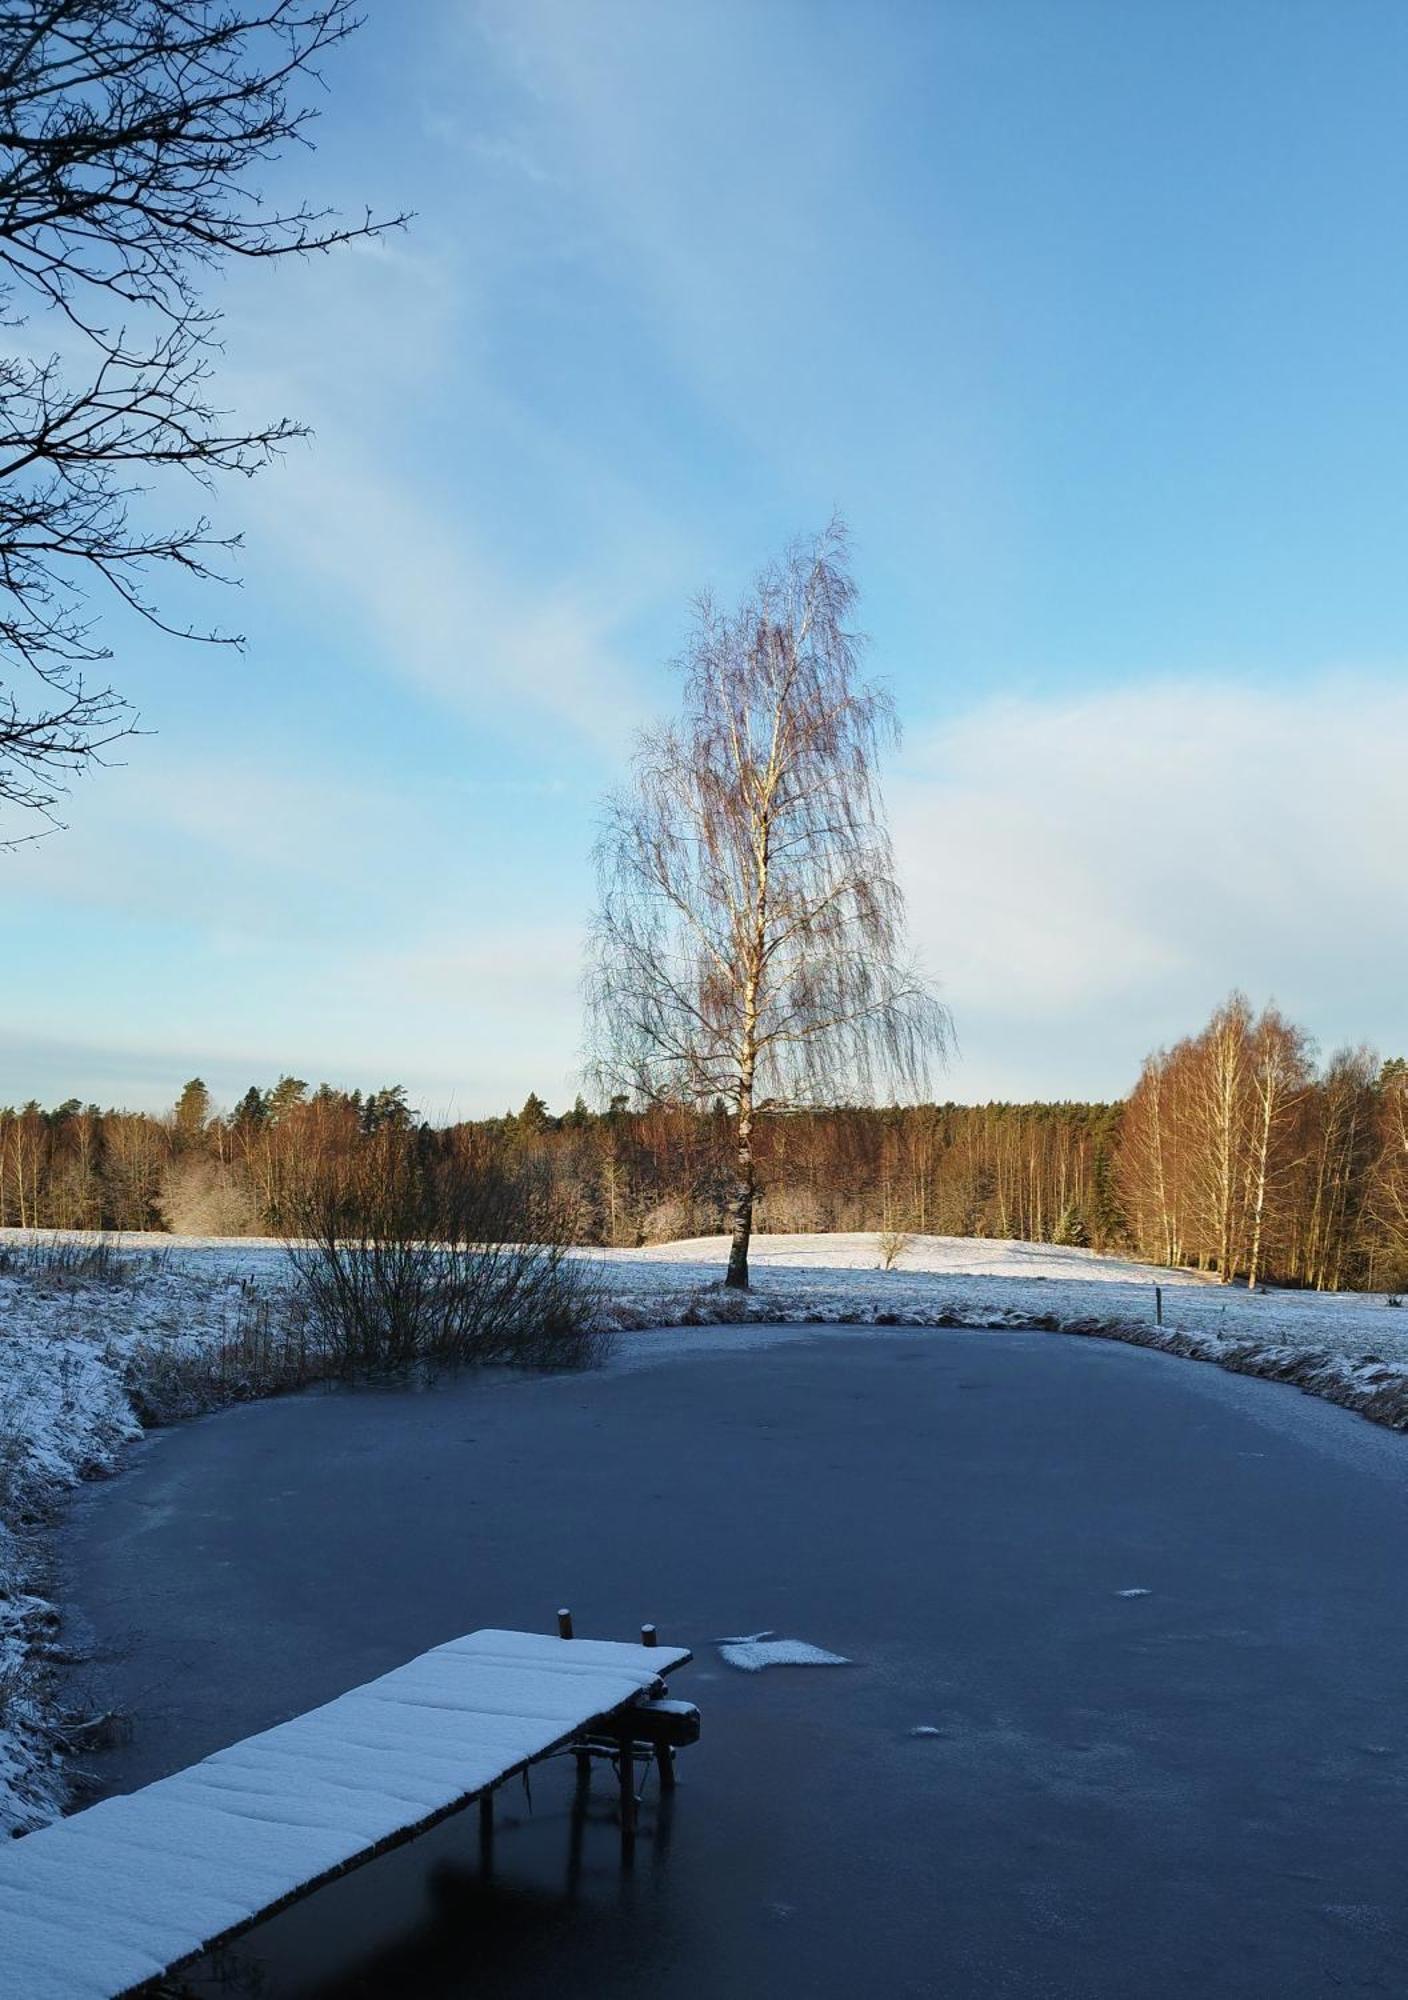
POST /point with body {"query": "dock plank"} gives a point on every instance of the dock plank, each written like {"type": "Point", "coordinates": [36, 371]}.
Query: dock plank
{"type": "Point", "coordinates": [102, 1903]}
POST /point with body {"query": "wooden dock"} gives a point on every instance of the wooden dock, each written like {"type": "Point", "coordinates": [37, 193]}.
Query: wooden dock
{"type": "Point", "coordinates": [115, 1897]}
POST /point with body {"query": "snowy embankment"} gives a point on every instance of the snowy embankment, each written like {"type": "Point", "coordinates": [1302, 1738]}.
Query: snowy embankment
{"type": "Point", "coordinates": [141, 1329]}
{"type": "Point", "coordinates": [1351, 1348]}
{"type": "Point", "coordinates": [84, 1355]}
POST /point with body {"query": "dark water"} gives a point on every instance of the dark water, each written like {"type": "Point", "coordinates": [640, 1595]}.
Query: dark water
{"type": "Point", "coordinates": [1198, 1791]}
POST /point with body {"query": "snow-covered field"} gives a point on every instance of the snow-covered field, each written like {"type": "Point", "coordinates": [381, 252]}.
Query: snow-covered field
{"type": "Point", "coordinates": [972, 1281]}
{"type": "Point", "coordinates": [171, 1327]}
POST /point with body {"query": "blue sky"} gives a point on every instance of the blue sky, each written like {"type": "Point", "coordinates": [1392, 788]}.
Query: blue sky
{"type": "Point", "coordinates": [1093, 319]}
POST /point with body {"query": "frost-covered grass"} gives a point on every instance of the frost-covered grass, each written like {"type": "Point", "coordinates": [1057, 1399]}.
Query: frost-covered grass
{"type": "Point", "coordinates": [99, 1337]}
{"type": "Point", "coordinates": [94, 1340]}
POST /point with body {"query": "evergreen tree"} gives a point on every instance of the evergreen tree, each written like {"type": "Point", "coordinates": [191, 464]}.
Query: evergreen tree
{"type": "Point", "coordinates": [287, 1094]}
{"type": "Point", "coordinates": [192, 1113]}
{"type": "Point", "coordinates": [251, 1111]}
{"type": "Point", "coordinates": [387, 1109]}
{"type": "Point", "coordinates": [533, 1118]}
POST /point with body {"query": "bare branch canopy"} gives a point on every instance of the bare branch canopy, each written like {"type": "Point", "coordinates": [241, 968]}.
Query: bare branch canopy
{"type": "Point", "coordinates": [128, 131]}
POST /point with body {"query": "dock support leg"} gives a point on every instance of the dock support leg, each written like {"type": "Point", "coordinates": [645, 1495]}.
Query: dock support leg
{"type": "Point", "coordinates": [486, 1832]}
{"type": "Point", "coordinates": [576, 1827]}
{"type": "Point", "coordinates": [628, 1798]}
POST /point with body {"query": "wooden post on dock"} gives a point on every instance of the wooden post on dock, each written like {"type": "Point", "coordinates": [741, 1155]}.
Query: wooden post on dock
{"type": "Point", "coordinates": [564, 1623]}
{"type": "Point", "coordinates": [1158, 1305]}
{"type": "Point", "coordinates": [664, 1755]}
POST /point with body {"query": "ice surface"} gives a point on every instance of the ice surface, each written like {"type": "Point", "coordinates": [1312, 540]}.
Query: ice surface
{"type": "Point", "coordinates": [73, 1351]}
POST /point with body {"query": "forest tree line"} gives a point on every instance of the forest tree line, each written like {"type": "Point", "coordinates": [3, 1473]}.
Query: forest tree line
{"type": "Point", "coordinates": [1236, 1153]}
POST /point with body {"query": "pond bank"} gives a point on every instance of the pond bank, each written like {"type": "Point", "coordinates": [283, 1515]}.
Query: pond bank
{"type": "Point", "coordinates": [1197, 1789]}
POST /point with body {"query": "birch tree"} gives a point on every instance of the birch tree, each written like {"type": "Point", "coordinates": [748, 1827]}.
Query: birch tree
{"type": "Point", "coordinates": [748, 944]}
{"type": "Point", "coordinates": [1340, 1170]}
{"type": "Point", "coordinates": [1389, 1202]}
{"type": "Point", "coordinates": [1280, 1076]}
{"type": "Point", "coordinates": [1221, 1115]}
{"type": "Point", "coordinates": [1147, 1169]}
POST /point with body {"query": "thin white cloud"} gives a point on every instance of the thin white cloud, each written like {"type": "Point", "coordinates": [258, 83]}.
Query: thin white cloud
{"type": "Point", "coordinates": [715, 170]}
{"type": "Point", "coordinates": [1089, 875]}
{"type": "Point", "coordinates": [693, 144]}
{"type": "Point", "coordinates": [275, 917]}
{"type": "Point", "coordinates": [209, 837]}
{"type": "Point", "coordinates": [386, 355]}
{"type": "Point", "coordinates": [492, 1016]}
{"type": "Point", "coordinates": [469, 1026]}
{"type": "Point", "coordinates": [501, 652]}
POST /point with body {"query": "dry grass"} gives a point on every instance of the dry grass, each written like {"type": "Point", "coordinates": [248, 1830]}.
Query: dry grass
{"type": "Point", "coordinates": [67, 1263]}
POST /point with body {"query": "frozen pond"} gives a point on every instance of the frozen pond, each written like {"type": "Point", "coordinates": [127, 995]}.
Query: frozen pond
{"type": "Point", "coordinates": [1148, 1619]}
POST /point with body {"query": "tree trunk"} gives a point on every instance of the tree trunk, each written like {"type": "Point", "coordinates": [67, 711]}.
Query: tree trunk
{"type": "Point", "coordinates": [737, 1277]}
{"type": "Point", "coordinates": [1268, 1094]}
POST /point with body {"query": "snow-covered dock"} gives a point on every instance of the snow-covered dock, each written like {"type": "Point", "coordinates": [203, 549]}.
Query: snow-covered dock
{"type": "Point", "coordinates": [101, 1903]}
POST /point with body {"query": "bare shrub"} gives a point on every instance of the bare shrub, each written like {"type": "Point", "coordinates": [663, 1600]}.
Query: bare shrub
{"type": "Point", "coordinates": [791, 1211]}
{"type": "Point", "coordinates": [405, 1260]}
{"type": "Point", "coordinates": [891, 1245]}
{"type": "Point", "coordinates": [203, 1197]}
{"type": "Point", "coordinates": [852, 1214]}
{"type": "Point", "coordinates": [668, 1221]}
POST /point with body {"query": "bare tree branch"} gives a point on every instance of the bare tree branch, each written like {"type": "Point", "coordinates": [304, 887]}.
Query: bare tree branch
{"type": "Point", "coordinates": [128, 132]}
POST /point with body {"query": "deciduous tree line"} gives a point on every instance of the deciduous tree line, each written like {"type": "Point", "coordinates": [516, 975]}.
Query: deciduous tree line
{"type": "Point", "coordinates": [1241, 1155]}
{"type": "Point", "coordinates": [1235, 1153]}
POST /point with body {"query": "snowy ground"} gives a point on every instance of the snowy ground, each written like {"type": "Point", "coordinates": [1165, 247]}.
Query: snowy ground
{"type": "Point", "coordinates": [173, 1326]}
{"type": "Point", "coordinates": [969, 1281]}
{"type": "Point", "coordinates": [78, 1361]}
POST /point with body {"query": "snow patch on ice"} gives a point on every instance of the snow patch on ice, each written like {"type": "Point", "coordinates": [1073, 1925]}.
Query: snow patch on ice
{"type": "Point", "coordinates": [750, 1652]}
